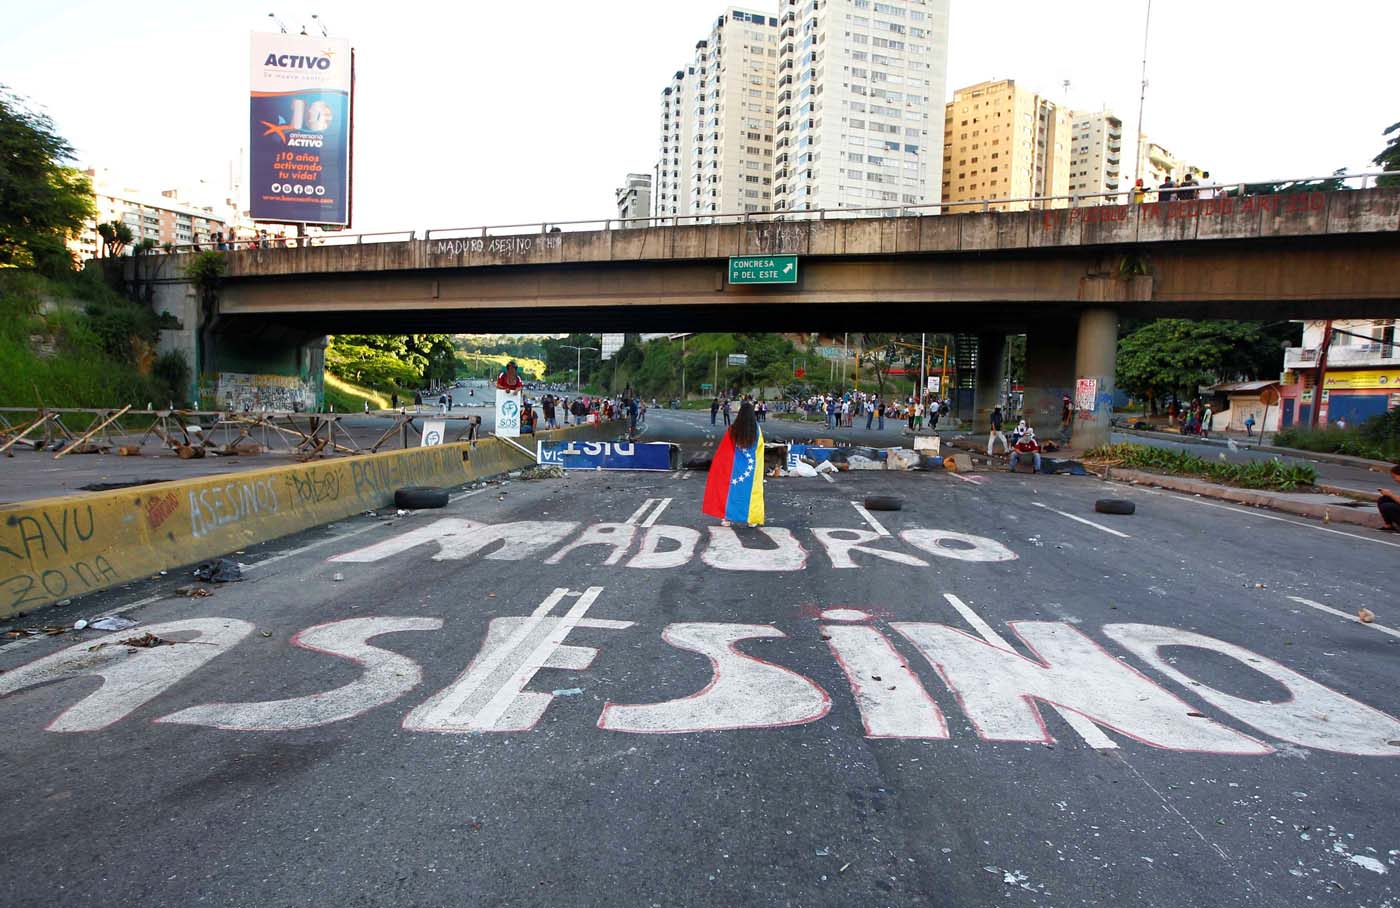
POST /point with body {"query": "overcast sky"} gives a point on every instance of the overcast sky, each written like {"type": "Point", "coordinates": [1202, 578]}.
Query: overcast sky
{"type": "Point", "coordinates": [492, 113]}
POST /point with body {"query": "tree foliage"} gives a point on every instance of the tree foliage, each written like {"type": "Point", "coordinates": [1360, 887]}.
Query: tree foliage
{"type": "Point", "coordinates": [392, 361]}
{"type": "Point", "coordinates": [1175, 356]}
{"type": "Point", "coordinates": [43, 201]}
{"type": "Point", "coordinates": [1389, 158]}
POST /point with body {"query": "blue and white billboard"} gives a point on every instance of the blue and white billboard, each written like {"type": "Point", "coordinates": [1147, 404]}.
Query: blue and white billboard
{"type": "Point", "coordinates": [605, 455]}
{"type": "Point", "coordinates": [299, 120]}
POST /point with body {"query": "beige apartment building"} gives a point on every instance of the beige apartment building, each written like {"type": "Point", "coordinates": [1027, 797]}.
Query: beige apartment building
{"type": "Point", "coordinates": [1001, 141]}
{"type": "Point", "coordinates": [163, 218]}
{"type": "Point", "coordinates": [1156, 163]}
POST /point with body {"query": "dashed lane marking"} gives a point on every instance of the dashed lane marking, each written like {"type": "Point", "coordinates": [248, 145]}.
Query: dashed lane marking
{"type": "Point", "coordinates": [637, 514]}
{"type": "Point", "coordinates": [869, 518]}
{"type": "Point", "coordinates": [1341, 614]}
{"type": "Point", "coordinates": [651, 518]}
{"type": "Point", "coordinates": [1097, 526]}
{"type": "Point", "coordinates": [827, 477]}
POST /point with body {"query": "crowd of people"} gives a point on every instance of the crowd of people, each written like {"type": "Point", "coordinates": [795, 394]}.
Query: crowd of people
{"type": "Point", "coordinates": [1172, 191]}
{"type": "Point", "coordinates": [1196, 418]}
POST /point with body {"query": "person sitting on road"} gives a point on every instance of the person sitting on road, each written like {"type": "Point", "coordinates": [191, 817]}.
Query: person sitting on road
{"type": "Point", "coordinates": [1389, 503]}
{"type": "Point", "coordinates": [1025, 445]}
{"type": "Point", "coordinates": [1020, 430]}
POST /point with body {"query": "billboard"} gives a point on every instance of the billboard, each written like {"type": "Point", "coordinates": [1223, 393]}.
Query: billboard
{"type": "Point", "coordinates": [299, 121]}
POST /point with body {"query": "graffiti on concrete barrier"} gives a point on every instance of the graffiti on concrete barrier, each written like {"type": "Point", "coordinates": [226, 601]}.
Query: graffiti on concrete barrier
{"type": "Point", "coordinates": [159, 508]}
{"type": "Point", "coordinates": [375, 477]}
{"type": "Point", "coordinates": [39, 557]}
{"type": "Point", "coordinates": [1004, 686]}
{"type": "Point", "coordinates": [313, 486]}
{"type": "Point", "coordinates": [220, 505]}
{"type": "Point", "coordinates": [505, 246]}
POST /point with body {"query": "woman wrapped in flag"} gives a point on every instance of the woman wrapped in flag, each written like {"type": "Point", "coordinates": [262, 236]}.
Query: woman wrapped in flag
{"type": "Point", "coordinates": [734, 490]}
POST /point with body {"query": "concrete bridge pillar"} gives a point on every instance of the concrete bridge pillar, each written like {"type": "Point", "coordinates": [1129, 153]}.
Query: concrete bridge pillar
{"type": "Point", "coordinates": [990, 380]}
{"type": "Point", "coordinates": [1096, 359]}
{"type": "Point", "coordinates": [1050, 368]}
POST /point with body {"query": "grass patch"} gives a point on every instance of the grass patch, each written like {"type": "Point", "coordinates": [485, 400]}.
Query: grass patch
{"type": "Point", "coordinates": [1270, 475]}
{"type": "Point", "coordinates": [1351, 442]}
{"type": "Point", "coordinates": [348, 398]}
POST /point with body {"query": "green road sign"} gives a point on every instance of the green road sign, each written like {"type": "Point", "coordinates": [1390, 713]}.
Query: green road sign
{"type": "Point", "coordinates": [763, 269]}
{"type": "Point", "coordinates": [707, 387]}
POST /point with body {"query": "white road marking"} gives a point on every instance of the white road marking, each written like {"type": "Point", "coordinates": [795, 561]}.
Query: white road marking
{"type": "Point", "coordinates": [311, 545]}
{"type": "Point", "coordinates": [1002, 692]}
{"type": "Point", "coordinates": [827, 477]}
{"type": "Point", "coordinates": [1312, 715]}
{"type": "Point", "coordinates": [1296, 523]}
{"type": "Point", "coordinates": [649, 556]}
{"type": "Point", "coordinates": [1087, 730]}
{"type": "Point", "coordinates": [386, 677]}
{"type": "Point", "coordinates": [869, 518]}
{"type": "Point", "coordinates": [975, 480]}
{"type": "Point", "coordinates": [892, 701]}
{"type": "Point", "coordinates": [977, 548]}
{"type": "Point", "coordinates": [728, 553]}
{"type": "Point", "coordinates": [130, 606]}
{"type": "Point", "coordinates": [130, 678]}
{"type": "Point", "coordinates": [688, 474]}
{"type": "Point", "coordinates": [840, 542]}
{"type": "Point", "coordinates": [1077, 519]}
{"type": "Point", "coordinates": [651, 518]}
{"type": "Point", "coordinates": [617, 536]}
{"type": "Point", "coordinates": [637, 514]}
{"type": "Point", "coordinates": [743, 691]}
{"type": "Point", "coordinates": [1341, 614]}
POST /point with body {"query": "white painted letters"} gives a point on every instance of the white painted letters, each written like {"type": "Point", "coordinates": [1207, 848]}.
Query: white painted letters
{"type": "Point", "coordinates": [840, 543]}
{"type": "Point", "coordinates": [893, 704]}
{"type": "Point", "coordinates": [728, 553]}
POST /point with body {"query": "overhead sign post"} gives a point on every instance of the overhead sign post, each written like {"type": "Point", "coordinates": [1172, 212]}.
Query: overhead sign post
{"type": "Point", "coordinates": [299, 122]}
{"type": "Point", "coordinates": [507, 414]}
{"type": "Point", "coordinates": [737, 359]}
{"type": "Point", "coordinates": [763, 269]}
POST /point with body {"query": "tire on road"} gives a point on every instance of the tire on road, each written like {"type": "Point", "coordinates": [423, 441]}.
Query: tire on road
{"type": "Point", "coordinates": [1114, 506]}
{"type": "Point", "coordinates": [883, 503]}
{"type": "Point", "coordinates": [419, 498]}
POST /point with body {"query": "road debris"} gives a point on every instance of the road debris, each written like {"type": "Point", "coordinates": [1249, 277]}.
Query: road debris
{"type": "Point", "coordinates": [111, 623]}
{"type": "Point", "coordinates": [220, 570]}
{"type": "Point", "coordinates": [145, 641]}
{"type": "Point", "coordinates": [1365, 615]}
{"type": "Point", "coordinates": [569, 692]}
{"type": "Point", "coordinates": [195, 591]}
{"type": "Point", "coordinates": [542, 472]}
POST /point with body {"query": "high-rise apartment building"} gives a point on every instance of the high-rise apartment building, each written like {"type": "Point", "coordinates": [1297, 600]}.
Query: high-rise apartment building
{"type": "Point", "coordinates": [1002, 141]}
{"type": "Point", "coordinates": [717, 122]}
{"type": "Point", "coordinates": [1155, 164]}
{"type": "Point", "coordinates": [860, 93]}
{"type": "Point", "coordinates": [634, 200]}
{"type": "Point", "coordinates": [1096, 156]}
{"type": "Point", "coordinates": [163, 218]}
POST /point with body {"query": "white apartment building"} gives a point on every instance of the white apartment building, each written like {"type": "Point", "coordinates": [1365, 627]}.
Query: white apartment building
{"type": "Point", "coordinates": [163, 218]}
{"type": "Point", "coordinates": [1156, 163]}
{"type": "Point", "coordinates": [1096, 154]}
{"type": "Point", "coordinates": [860, 88]}
{"type": "Point", "coordinates": [634, 199]}
{"type": "Point", "coordinates": [717, 122]}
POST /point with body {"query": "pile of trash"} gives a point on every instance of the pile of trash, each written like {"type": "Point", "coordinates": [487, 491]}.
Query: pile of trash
{"type": "Point", "coordinates": [810, 460]}
{"type": "Point", "coordinates": [542, 472]}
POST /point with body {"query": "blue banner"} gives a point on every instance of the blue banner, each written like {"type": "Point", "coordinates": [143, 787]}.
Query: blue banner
{"type": "Point", "coordinates": [605, 455]}
{"type": "Point", "coordinates": [299, 130]}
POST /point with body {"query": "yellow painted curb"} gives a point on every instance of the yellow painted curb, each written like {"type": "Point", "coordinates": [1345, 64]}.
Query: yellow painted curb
{"type": "Point", "coordinates": [56, 548]}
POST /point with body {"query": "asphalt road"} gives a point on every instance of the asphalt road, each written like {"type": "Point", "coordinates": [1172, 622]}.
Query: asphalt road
{"type": "Point", "coordinates": [1215, 740]}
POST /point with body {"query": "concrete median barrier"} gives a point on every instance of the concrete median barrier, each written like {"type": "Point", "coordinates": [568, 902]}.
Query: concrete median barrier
{"type": "Point", "coordinates": [53, 549]}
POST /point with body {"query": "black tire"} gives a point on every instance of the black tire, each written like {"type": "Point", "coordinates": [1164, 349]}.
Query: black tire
{"type": "Point", "coordinates": [416, 498]}
{"type": "Point", "coordinates": [883, 503]}
{"type": "Point", "coordinates": [1114, 506]}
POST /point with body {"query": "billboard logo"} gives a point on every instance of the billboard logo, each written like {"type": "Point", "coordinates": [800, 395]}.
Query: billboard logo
{"type": "Point", "coordinates": [296, 61]}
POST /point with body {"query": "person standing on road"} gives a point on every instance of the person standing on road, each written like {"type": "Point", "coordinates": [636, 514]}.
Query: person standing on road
{"type": "Point", "coordinates": [1026, 445]}
{"type": "Point", "coordinates": [442, 403]}
{"type": "Point", "coordinates": [1207, 418]}
{"type": "Point", "coordinates": [1249, 426]}
{"type": "Point", "coordinates": [869, 413]}
{"type": "Point", "coordinates": [1389, 503]}
{"type": "Point", "coordinates": [547, 405]}
{"type": "Point", "coordinates": [714, 410]}
{"type": "Point", "coordinates": [734, 489]}
{"type": "Point", "coordinates": [727, 410]}
{"type": "Point", "coordinates": [880, 412]}
{"type": "Point", "coordinates": [996, 433]}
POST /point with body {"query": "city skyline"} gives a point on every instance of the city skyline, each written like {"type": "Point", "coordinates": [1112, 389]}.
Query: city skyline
{"type": "Point", "coordinates": [424, 94]}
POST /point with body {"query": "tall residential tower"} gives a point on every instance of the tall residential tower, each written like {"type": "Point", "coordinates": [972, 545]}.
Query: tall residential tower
{"type": "Point", "coordinates": [1004, 142]}
{"type": "Point", "coordinates": [717, 122]}
{"type": "Point", "coordinates": [860, 101]}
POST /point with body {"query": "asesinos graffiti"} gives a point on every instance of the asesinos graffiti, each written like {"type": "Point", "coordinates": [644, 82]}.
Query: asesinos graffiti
{"type": "Point", "coordinates": [1004, 694]}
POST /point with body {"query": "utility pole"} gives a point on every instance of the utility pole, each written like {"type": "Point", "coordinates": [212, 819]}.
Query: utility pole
{"type": "Point", "coordinates": [1142, 98]}
{"type": "Point", "coordinates": [682, 370]}
{"type": "Point", "coordinates": [715, 386]}
{"type": "Point", "coordinates": [922, 385]}
{"type": "Point", "coordinates": [578, 363]}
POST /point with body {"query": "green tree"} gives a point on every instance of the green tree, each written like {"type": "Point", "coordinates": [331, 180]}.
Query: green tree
{"type": "Point", "coordinates": [43, 201]}
{"type": "Point", "coordinates": [1176, 356]}
{"type": "Point", "coordinates": [115, 236]}
{"type": "Point", "coordinates": [1389, 158]}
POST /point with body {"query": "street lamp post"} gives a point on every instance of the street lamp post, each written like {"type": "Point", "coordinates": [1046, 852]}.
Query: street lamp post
{"type": "Point", "coordinates": [578, 363]}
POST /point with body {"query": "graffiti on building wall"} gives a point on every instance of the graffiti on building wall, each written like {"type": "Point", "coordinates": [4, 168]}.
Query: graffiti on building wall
{"type": "Point", "coordinates": [243, 392]}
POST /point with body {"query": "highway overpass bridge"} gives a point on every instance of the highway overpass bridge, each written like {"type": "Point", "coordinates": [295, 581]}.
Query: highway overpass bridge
{"type": "Point", "coordinates": [1064, 276]}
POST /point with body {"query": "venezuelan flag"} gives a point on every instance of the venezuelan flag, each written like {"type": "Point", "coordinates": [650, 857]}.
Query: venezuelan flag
{"type": "Point", "coordinates": [734, 490]}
